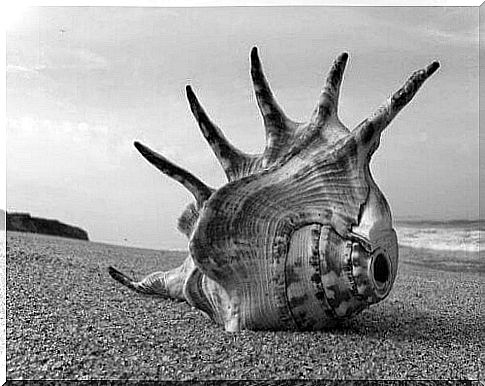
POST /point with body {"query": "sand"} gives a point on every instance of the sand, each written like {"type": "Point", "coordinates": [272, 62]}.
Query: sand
{"type": "Point", "coordinates": [67, 319]}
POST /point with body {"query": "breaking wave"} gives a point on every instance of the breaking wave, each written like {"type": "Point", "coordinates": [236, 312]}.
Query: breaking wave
{"type": "Point", "coordinates": [447, 236]}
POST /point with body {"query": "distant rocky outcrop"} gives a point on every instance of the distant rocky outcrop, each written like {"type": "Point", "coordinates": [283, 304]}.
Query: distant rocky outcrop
{"type": "Point", "coordinates": [24, 222]}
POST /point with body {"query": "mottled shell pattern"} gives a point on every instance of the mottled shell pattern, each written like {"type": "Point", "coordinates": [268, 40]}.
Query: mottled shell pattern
{"type": "Point", "coordinates": [300, 237]}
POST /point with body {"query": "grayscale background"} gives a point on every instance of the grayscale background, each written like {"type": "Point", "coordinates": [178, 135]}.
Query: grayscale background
{"type": "Point", "coordinates": [84, 82]}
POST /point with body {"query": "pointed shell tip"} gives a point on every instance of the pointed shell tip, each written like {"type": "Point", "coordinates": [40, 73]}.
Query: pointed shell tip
{"type": "Point", "coordinates": [188, 91]}
{"type": "Point", "coordinates": [254, 55]}
{"type": "Point", "coordinates": [433, 67]}
{"type": "Point", "coordinates": [139, 146]}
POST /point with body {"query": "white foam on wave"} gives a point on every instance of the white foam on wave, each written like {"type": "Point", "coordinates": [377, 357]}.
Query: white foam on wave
{"type": "Point", "coordinates": [446, 239]}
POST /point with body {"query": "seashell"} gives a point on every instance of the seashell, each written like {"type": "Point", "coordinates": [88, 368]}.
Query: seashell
{"type": "Point", "coordinates": [301, 237]}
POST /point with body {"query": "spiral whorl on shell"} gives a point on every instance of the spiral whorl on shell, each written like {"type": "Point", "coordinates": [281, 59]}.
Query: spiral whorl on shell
{"type": "Point", "coordinates": [300, 237]}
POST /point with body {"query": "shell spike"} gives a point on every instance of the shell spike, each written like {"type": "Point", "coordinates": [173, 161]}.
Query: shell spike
{"type": "Point", "coordinates": [368, 131]}
{"type": "Point", "coordinates": [328, 102]}
{"type": "Point", "coordinates": [200, 191]}
{"type": "Point", "coordinates": [277, 125]}
{"type": "Point", "coordinates": [134, 285]}
{"type": "Point", "coordinates": [122, 278]}
{"type": "Point", "coordinates": [153, 284]}
{"type": "Point", "coordinates": [228, 156]}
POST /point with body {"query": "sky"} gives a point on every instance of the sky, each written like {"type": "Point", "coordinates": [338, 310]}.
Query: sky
{"type": "Point", "coordinates": [84, 82]}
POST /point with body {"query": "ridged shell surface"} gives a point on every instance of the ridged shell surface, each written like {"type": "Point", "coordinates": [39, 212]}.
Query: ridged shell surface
{"type": "Point", "coordinates": [300, 237]}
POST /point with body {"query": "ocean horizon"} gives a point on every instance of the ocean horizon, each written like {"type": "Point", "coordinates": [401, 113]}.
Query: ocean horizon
{"type": "Point", "coordinates": [440, 235]}
{"type": "Point", "coordinates": [445, 235]}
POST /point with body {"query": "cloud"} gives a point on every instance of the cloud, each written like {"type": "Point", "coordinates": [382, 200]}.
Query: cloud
{"type": "Point", "coordinates": [56, 58]}
{"type": "Point", "coordinates": [465, 36]}
{"type": "Point", "coordinates": [11, 68]}
{"type": "Point", "coordinates": [60, 151]}
{"type": "Point", "coordinates": [450, 26]}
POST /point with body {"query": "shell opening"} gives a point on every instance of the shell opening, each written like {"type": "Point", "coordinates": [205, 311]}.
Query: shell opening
{"type": "Point", "coordinates": [381, 273]}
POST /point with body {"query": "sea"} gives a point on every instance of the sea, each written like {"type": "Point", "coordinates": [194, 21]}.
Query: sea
{"type": "Point", "coordinates": [454, 235]}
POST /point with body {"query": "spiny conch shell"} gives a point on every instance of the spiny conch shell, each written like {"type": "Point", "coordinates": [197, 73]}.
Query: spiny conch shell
{"type": "Point", "coordinates": [300, 237]}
